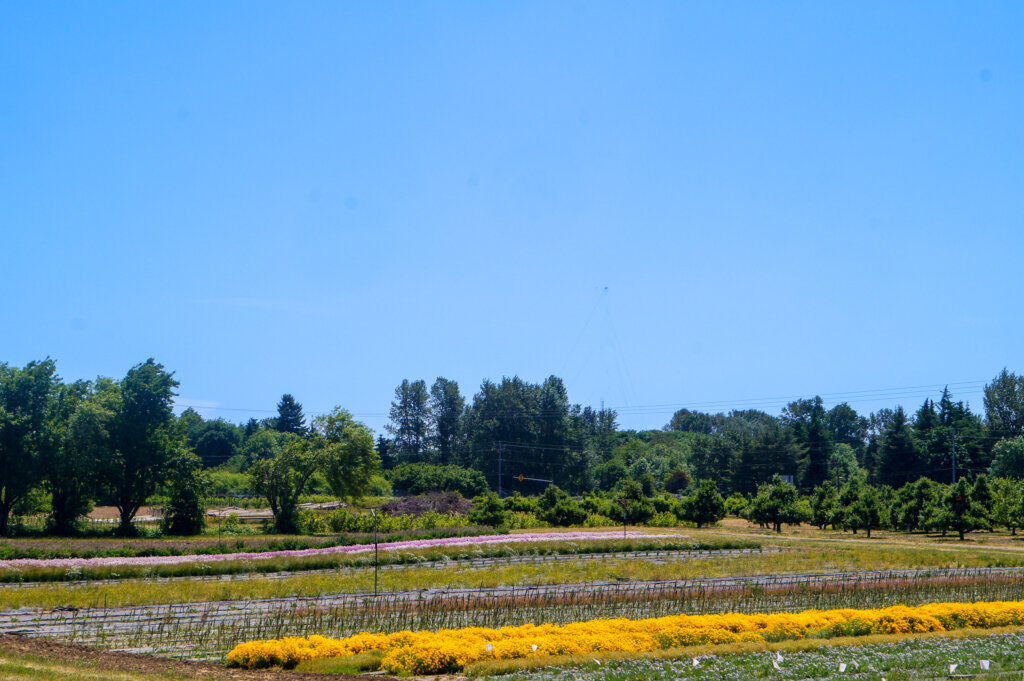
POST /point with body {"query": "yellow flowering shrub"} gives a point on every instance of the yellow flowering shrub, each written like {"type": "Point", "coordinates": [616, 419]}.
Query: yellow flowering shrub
{"type": "Point", "coordinates": [450, 650]}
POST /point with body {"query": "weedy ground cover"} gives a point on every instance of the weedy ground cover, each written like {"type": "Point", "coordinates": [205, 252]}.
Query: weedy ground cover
{"type": "Point", "coordinates": [895, 658]}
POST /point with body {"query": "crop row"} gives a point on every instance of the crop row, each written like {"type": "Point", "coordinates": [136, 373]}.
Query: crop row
{"type": "Point", "coordinates": [210, 629]}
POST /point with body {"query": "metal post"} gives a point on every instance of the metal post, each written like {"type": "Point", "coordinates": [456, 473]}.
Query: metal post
{"type": "Point", "coordinates": [376, 561]}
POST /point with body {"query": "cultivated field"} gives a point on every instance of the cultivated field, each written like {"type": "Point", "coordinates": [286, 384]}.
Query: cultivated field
{"type": "Point", "coordinates": [197, 600]}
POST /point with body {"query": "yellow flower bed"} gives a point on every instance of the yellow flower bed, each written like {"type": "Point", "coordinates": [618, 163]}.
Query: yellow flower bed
{"type": "Point", "coordinates": [450, 650]}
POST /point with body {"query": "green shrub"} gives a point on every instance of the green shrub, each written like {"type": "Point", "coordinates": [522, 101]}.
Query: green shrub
{"type": "Point", "coordinates": [663, 519]}
{"type": "Point", "coordinates": [596, 520]}
{"type": "Point", "coordinates": [420, 478]}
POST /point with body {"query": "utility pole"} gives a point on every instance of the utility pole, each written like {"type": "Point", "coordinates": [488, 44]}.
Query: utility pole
{"type": "Point", "coordinates": [954, 457]}
{"type": "Point", "coordinates": [501, 450]}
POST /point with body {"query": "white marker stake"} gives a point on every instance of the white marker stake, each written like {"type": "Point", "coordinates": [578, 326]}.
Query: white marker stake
{"type": "Point", "coordinates": [775, 663]}
{"type": "Point", "coordinates": [983, 663]}
{"type": "Point", "coordinates": [696, 662]}
{"type": "Point", "coordinates": [952, 668]}
{"type": "Point", "coordinates": [534, 647]}
{"type": "Point", "coordinates": [778, 655]}
{"type": "Point", "coordinates": [842, 667]}
{"type": "Point", "coordinates": [488, 647]}
{"type": "Point", "coordinates": [856, 664]}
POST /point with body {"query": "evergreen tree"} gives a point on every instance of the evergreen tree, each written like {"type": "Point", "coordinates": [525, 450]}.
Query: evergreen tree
{"type": "Point", "coordinates": [808, 420]}
{"type": "Point", "coordinates": [410, 421]}
{"type": "Point", "coordinates": [900, 455]}
{"type": "Point", "coordinates": [290, 418]}
{"type": "Point", "coordinates": [446, 409]}
{"type": "Point", "coordinates": [774, 452]}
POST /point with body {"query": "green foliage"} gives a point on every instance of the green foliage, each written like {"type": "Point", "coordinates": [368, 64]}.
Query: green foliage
{"type": "Point", "coordinates": [409, 426]}
{"type": "Point", "coordinates": [282, 479]}
{"type": "Point", "coordinates": [633, 504]}
{"type": "Point", "coordinates": [139, 443]}
{"type": "Point", "coordinates": [736, 505]}
{"type": "Point", "coordinates": [677, 481]}
{"type": "Point", "coordinates": [187, 488]}
{"type": "Point", "coordinates": [1008, 458]}
{"type": "Point", "coordinates": [420, 478]}
{"type": "Point", "coordinates": [777, 503]}
{"type": "Point", "coordinates": [866, 512]}
{"type": "Point", "coordinates": [1004, 405]}
{"type": "Point", "coordinates": [705, 506]}
{"type": "Point", "coordinates": [559, 509]}
{"type": "Point", "coordinates": [488, 509]}
{"type": "Point", "coordinates": [963, 513]}
{"type": "Point", "coordinates": [824, 506]}
{"type": "Point", "coordinates": [26, 407]}
{"type": "Point", "coordinates": [290, 418]}
{"type": "Point", "coordinates": [346, 449]}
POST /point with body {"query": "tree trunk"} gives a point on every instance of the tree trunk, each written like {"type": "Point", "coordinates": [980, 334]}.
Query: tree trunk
{"type": "Point", "coordinates": [961, 532]}
{"type": "Point", "coordinates": [778, 527]}
{"type": "Point", "coordinates": [868, 530]}
{"type": "Point", "coordinates": [5, 513]}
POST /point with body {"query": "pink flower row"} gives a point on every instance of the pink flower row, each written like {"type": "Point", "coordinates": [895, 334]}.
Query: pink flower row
{"type": "Point", "coordinates": [389, 546]}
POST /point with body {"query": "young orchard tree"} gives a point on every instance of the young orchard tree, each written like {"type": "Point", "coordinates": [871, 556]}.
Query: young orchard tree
{"type": "Point", "coordinates": [866, 512]}
{"type": "Point", "coordinates": [705, 506]}
{"type": "Point", "coordinates": [824, 506]}
{"type": "Point", "coordinates": [963, 513]}
{"type": "Point", "coordinates": [776, 503]}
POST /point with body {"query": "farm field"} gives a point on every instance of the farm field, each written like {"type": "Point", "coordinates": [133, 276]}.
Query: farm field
{"type": "Point", "coordinates": [560, 578]}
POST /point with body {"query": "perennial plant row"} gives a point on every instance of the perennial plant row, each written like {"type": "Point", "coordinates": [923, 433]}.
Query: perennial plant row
{"type": "Point", "coordinates": [110, 561]}
{"type": "Point", "coordinates": [450, 650]}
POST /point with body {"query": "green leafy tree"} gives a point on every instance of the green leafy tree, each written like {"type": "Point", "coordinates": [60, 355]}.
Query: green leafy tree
{"type": "Point", "coordinates": [866, 512]}
{"type": "Point", "coordinates": [410, 421]}
{"type": "Point", "coordinates": [187, 486]}
{"type": "Point", "coordinates": [140, 445]}
{"type": "Point", "coordinates": [76, 440]}
{"type": "Point", "coordinates": [26, 406]}
{"type": "Point", "coordinates": [1008, 503]}
{"type": "Point", "coordinates": [446, 406]}
{"type": "Point", "coordinates": [217, 441]}
{"type": "Point", "coordinates": [635, 505]}
{"type": "Point", "coordinates": [282, 479]}
{"type": "Point", "coordinates": [981, 493]}
{"type": "Point", "coordinates": [1008, 458]}
{"type": "Point", "coordinates": [963, 512]}
{"type": "Point", "coordinates": [677, 481]}
{"type": "Point", "coordinates": [290, 418]}
{"type": "Point", "coordinates": [1004, 405]}
{"type": "Point", "coordinates": [350, 461]}
{"type": "Point", "coordinates": [705, 506]}
{"type": "Point", "coordinates": [913, 503]}
{"type": "Point", "coordinates": [777, 503]}
{"type": "Point", "coordinates": [824, 506]}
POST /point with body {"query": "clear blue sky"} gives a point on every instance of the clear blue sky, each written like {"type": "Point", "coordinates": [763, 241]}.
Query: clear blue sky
{"type": "Point", "coordinates": [667, 204]}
